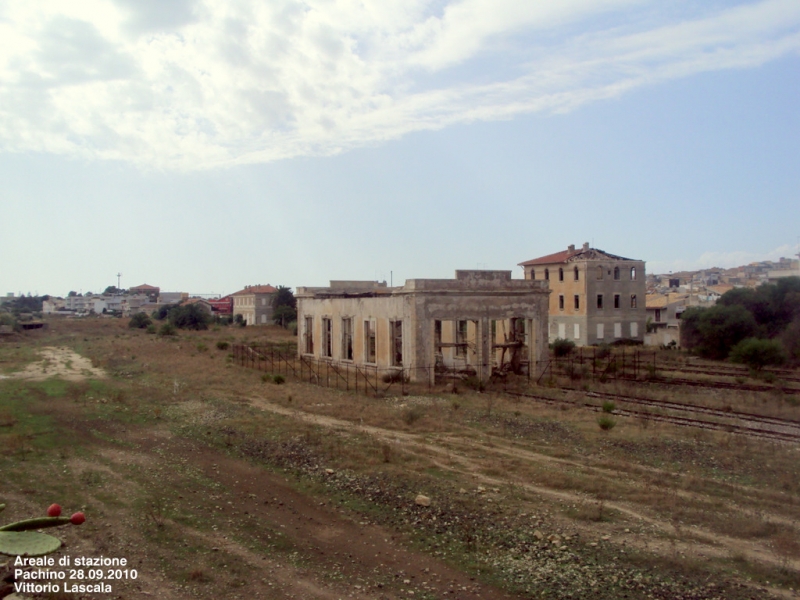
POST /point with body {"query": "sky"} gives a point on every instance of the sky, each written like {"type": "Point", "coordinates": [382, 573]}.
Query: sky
{"type": "Point", "coordinates": [202, 146]}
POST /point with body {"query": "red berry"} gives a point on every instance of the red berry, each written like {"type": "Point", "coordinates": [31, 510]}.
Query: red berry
{"type": "Point", "coordinates": [54, 510]}
{"type": "Point", "coordinates": [77, 518]}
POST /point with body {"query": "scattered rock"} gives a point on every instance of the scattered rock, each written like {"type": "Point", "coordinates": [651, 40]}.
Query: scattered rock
{"type": "Point", "coordinates": [422, 500]}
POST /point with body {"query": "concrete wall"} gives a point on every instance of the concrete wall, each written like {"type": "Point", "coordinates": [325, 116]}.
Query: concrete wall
{"type": "Point", "coordinates": [474, 297]}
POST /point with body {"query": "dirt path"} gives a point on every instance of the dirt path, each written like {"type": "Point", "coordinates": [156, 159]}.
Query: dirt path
{"type": "Point", "coordinates": [61, 362]}
{"type": "Point", "coordinates": [331, 548]}
{"type": "Point", "coordinates": [451, 454]}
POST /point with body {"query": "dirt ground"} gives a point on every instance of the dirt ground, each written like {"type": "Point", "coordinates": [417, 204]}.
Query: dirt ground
{"type": "Point", "coordinates": [213, 482]}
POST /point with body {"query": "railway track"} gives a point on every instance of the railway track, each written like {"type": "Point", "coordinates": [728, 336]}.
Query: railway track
{"type": "Point", "coordinates": [731, 421]}
{"type": "Point", "coordinates": [729, 372]}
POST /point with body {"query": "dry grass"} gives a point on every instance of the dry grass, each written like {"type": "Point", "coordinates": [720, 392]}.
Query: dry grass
{"type": "Point", "coordinates": [707, 494]}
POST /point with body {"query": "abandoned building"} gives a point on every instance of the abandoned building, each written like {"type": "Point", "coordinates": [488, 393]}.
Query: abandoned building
{"type": "Point", "coordinates": [480, 323]}
{"type": "Point", "coordinates": [596, 297]}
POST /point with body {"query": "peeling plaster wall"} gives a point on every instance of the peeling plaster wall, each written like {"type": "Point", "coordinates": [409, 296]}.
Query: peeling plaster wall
{"type": "Point", "coordinates": [478, 297]}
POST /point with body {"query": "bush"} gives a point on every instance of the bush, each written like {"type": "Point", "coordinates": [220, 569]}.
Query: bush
{"type": "Point", "coordinates": [608, 406]}
{"type": "Point", "coordinates": [713, 332]}
{"type": "Point", "coordinates": [758, 354]}
{"type": "Point", "coordinates": [201, 347]}
{"type": "Point", "coordinates": [474, 383]}
{"type": "Point", "coordinates": [603, 351]}
{"type": "Point", "coordinates": [190, 316]}
{"type": "Point", "coordinates": [606, 423]}
{"type": "Point", "coordinates": [266, 378]}
{"type": "Point", "coordinates": [139, 321]}
{"type": "Point", "coordinates": [222, 345]}
{"type": "Point", "coordinates": [8, 320]}
{"type": "Point", "coordinates": [163, 312]}
{"type": "Point", "coordinates": [563, 347]}
{"type": "Point", "coordinates": [412, 414]}
{"type": "Point", "coordinates": [151, 328]}
{"type": "Point", "coordinates": [167, 329]}
{"type": "Point", "coordinates": [279, 379]}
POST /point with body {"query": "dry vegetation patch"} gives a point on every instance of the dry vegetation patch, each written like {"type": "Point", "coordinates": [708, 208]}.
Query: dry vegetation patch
{"type": "Point", "coordinates": [223, 484]}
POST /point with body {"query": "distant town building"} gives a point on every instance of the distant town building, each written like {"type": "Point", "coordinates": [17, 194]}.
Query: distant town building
{"type": "Point", "coordinates": [254, 303]}
{"type": "Point", "coordinates": [145, 290]}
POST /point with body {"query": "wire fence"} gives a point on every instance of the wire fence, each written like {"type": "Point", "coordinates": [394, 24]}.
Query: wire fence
{"type": "Point", "coordinates": [596, 364]}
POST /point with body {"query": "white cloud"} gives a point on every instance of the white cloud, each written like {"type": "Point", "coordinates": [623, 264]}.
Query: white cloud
{"type": "Point", "coordinates": [198, 85]}
{"type": "Point", "coordinates": [725, 260]}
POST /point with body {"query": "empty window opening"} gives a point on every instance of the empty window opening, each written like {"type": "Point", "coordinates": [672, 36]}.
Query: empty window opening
{"type": "Point", "coordinates": [437, 335]}
{"type": "Point", "coordinates": [347, 339]}
{"type": "Point", "coordinates": [547, 274]}
{"type": "Point", "coordinates": [616, 300]}
{"type": "Point", "coordinates": [633, 300]}
{"type": "Point", "coordinates": [658, 315]}
{"type": "Point", "coordinates": [327, 346]}
{"type": "Point", "coordinates": [369, 342]}
{"type": "Point", "coordinates": [308, 334]}
{"type": "Point", "coordinates": [633, 273]}
{"type": "Point", "coordinates": [577, 300]}
{"type": "Point", "coordinates": [600, 301]}
{"type": "Point", "coordinates": [561, 301]}
{"type": "Point", "coordinates": [461, 338]}
{"type": "Point", "coordinates": [560, 274]}
{"type": "Point", "coordinates": [396, 329]}
{"type": "Point", "coordinates": [616, 272]}
{"type": "Point", "coordinates": [575, 271]}
{"type": "Point", "coordinates": [533, 273]}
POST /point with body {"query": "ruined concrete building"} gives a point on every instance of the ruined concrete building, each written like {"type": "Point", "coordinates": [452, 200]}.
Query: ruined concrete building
{"type": "Point", "coordinates": [477, 323]}
{"type": "Point", "coordinates": [596, 297]}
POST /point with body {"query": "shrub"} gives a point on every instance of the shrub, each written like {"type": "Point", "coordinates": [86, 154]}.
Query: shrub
{"type": "Point", "coordinates": [394, 377]}
{"type": "Point", "coordinates": [713, 332]}
{"type": "Point", "coordinates": [166, 329]}
{"type": "Point", "coordinates": [222, 345]}
{"type": "Point", "coordinates": [201, 347]}
{"type": "Point", "coordinates": [608, 406]}
{"type": "Point", "coordinates": [151, 328]}
{"type": "Point", "coordinates": [279, 379]}
{"type": "Point", "coordinates": [163, 312]}
{"type": "Point", "coordinates": [412, 414]}
{"type": "Point", "coordinates": [474, 383]}
{"type": "Point", "coordinates": [758, 354]}
{"type": "Point", "coordinates": [190, 316]}
{"type": "Point", "coordinates": [603, 351]}
{"type": "Point", "coordinates": [139, 321]}
{"type": "Point", "coordinates": [606, 423]}
{"type": "Point", "coordinates": [563, 347]}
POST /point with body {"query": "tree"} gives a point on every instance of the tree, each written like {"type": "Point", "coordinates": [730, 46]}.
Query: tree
{"type": "Point", "coordinates": [712, 332]}
{"type": "Point", "coordinates": [284, 306]}
{"type": "Point", "coordinates": [758, 354]}
{"type": "Point", "coordinates": [562, 347]}
{"type": "Point", "coordinates": [163, 312]}
{"type": "Point", "coordinates": [189, 316]}
{"type": "Point", "coordinates": [139, 321]}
